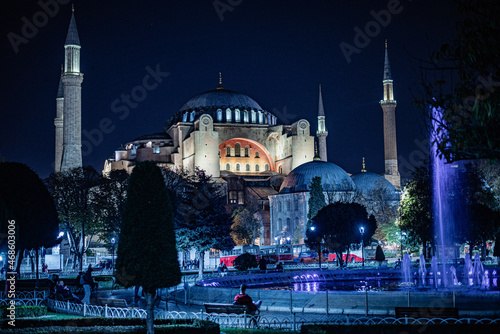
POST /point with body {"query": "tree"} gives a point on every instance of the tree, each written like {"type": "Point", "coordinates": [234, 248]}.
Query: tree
{"type": "Point", "coordinates": [115, 188]}
{"type": "Point", "coordinates": [25, 200]}
{"type": "Point", "coordinates": [204, 221]}
{"type": "Point", "coordinates": [338, 225]}
{"type": "Point", "coordinates": [147, 255]}
{"type": "Point", "coordinates": [245, 261]}
{"type": "Point", "coordinates": [316, 199]}
{"type": "Point", "coordinates": [415, 209]}
{"type": "Point", "coordinates": [245, 227]}
{"type": "Point", "coordinates": [379, 255]}
{"type": "Point", "coordinates": [80, 202]}
{"type": "Point", "coordinates": [466, 86]}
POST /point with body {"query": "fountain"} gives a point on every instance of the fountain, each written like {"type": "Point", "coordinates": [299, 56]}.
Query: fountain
{"type": "Point", "coordinates": [478, 271]}
{"type": "Point", "coordinates": [468, 270]}
{"type": "Point", "coordinates": [422, 271]}
{"type": "Point", "coordinates": [435, 272]}
{"type": "Point", "coordinates": [407, 272]}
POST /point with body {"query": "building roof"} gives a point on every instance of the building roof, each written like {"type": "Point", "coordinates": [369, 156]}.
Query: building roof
{"type": "Point", "coordinates": [369, 183]}
{"type": "Point", "coordinates": [60, 89]}
{"type": "Point", "coordinates": [261, 192]}
{"type": "Point", "coordinates": [152, 136]}
{"type": "Point", "coordinates": [221, 98]}
{"type": "Point", "coordinates": [72, 37]}
{"type": "Point", "coordinates": [333, 178]}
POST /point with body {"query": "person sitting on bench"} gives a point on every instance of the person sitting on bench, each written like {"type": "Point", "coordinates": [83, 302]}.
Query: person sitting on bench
{"type": "Point", "coordinates": [63, 290]}
{"type": "Point", "coordinates": [243, 299]}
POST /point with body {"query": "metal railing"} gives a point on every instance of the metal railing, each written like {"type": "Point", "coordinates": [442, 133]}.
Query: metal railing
{"type": "Point", "coordinates": [284, 322]}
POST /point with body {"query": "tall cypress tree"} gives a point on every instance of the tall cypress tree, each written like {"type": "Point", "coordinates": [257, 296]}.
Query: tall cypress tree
{"type": "Point", "coordinates": [146, 254]}
{"type": "Point", "coordinates": [316, 200]}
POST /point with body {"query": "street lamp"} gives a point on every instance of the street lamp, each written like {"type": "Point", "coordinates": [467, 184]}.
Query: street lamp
{"type": "Point", "coordinates": [362, 231]}
{"type": "Point", "coordinates": [113, 240]}
{"type": "Point", "coordinates": [287, 240]}
{"type": "Point", "coordinates": [61, 234]}
{"type": "Point", "coordinates": [318, 239]}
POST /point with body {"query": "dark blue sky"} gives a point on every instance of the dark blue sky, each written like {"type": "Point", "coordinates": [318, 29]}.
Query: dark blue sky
{"type": "Point", "coordinates": [277, 52]}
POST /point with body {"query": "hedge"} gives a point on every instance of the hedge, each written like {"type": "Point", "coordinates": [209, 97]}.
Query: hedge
{"type": "Point", "coordinates": [97, 325]}
{"type": "Point", "coordinates": [400, 328]}
{"type": "Point", "coordinates": [24, 311]}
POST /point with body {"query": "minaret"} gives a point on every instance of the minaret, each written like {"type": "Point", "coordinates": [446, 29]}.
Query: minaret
{"type": "Point", "coordinates": [58, 122]}
{"type": "Point", "coordinates": [389, 110]}
{"type": "Point", "coordinates": [322, 133]}
{"type": "Point", "coordinates": [72, 81]}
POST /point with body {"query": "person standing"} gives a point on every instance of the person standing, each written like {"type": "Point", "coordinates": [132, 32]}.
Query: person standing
{"type": "Point", "coordinates": [87, 285]}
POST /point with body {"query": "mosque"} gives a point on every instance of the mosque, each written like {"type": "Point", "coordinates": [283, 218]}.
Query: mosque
{"type": "Point", "coordinates": [240, 143]}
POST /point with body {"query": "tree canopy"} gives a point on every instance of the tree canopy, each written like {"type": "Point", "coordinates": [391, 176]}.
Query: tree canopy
{"type": "Point", "coordinates": [81, 204]}
{"type": "Point", "coordinates": [147, 255]}
{"type": "Point", "coordinates": [245, 227]}
{"type": "Point", "coordinates": [26, 200]}
{"type": "Point", "coordinates": [204, 220]}
{"type": "Point", "coordinates": [466, 85]}
{"type": "Point", "coordinates": [338, 224]}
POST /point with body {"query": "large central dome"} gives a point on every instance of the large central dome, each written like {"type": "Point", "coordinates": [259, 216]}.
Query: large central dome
{"type": "Point", "coordinates": [224, 106]}
{"type": "Point", "coordinates": [221, 99]}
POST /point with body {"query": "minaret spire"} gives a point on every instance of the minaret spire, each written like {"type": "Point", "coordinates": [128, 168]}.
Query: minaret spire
{"type": "Point", "coordinates": [363, 168]}
{"type": "Point", "coordinates": [72, 80]}
{"type": "Point", "coordinates": [322, 133]}
{"type": "Point", "coordinates": [388, 105]}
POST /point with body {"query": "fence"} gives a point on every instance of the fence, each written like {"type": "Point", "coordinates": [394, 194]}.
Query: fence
{"type": "Point", "coordinates": [27, 298]}
{"type": "Point", "coordinates": [284, 322]}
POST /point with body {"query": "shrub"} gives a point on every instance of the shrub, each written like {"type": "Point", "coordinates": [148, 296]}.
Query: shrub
{"type": "Point", "coordinates": [24, 311]}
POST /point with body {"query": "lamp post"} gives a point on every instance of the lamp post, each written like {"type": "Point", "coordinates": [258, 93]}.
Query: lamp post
{"type": "Point", "coordinates": [113, 240]}
{"type": "Point", "coordinates": [318, 239]}
{"type": "Point", "coordinates": [287, 240]}
{"type": "Point", "coordinates": [362, 231]}
{"type": "Point", "coordinates": [61, 234]}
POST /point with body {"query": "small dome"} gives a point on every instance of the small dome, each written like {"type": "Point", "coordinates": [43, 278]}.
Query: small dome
{"type": "Point", "coordinates": [366, 183]}
{"type": "Point", "coordinates": [333, 178]}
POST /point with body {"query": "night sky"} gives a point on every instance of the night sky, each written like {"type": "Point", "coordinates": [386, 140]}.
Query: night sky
{"type": "Point", "coordinates": [277, 52]}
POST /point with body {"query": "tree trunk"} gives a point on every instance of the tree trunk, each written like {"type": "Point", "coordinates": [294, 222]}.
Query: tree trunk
{"type": "Point", "coordinates": [201, 265]}
{"type": "Point", "coordinates": [150, 297]}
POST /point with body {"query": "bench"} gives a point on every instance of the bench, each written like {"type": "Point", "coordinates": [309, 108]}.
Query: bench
{"type": "Point", "coordinates": [120, 303]}
{"type": "Point", "coordinates": [426, 312]}
{"type": "Point", "coordinates": [233, 309]}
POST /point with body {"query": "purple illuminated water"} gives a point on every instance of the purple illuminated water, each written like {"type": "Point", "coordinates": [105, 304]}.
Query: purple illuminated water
{"type": "Point", "coordinates": [444, 183]}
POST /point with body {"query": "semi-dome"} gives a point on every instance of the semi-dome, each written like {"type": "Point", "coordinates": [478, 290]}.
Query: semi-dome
{"type": "Point", "coordinates": [333, 178]}
{"type": "Point", "coordinates": [224, 106]}
{"type": "Point", "coordinates": [369, 183]}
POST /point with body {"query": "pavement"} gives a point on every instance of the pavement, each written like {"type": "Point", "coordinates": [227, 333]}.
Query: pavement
{"type": "Point", "coordinates": [278, 302]}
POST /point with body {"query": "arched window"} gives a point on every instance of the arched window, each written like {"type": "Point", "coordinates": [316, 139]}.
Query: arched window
{"type": "Point", "coordinates": [266, 167]}
{"type": "Point", "coordinates": [296, 205]}
{"type": "Point", "coordinates": [279, 206]}
{"type": "Point", "coordinates": [237, 167]}
{"type": "Point", "coordinates": [257, 168]}
{"type": "Point", "coordinates": [257, 154]}
{"type": "Point", "coordinates": [237, 117]}
{"type": "Point", "coordinates": [191, 117]}
{"type": "Point", "coordinates": [281, 170]}
{"type": "Point", "coordinates": [219, 115]}
{"type": "Point", "coordinates": [228, 115]}
{"type": "Point", "coordinates": [228, 151]}
{"type": "Point", "coordinates": [237, 150]}
{"type": "Point", "coordinates": [261, 118]}
{"type": "Point", "coordinates": [247, 167]}
{"type": "Point", "coordinates": [296, 224]}
{"type": "Point", "coordinates": [254, 119]}
{"type": "Point", "coordinates": [245, 116]}
{"type": "Point", "coordinates": [185, 117]}
{"type": "Point", "coordinates": [287, 206]}
{"type": "Point", "coordinates": [279, 227]}
{"type": "Point", "coordinates": [288, 224]}
{"type": "Point", "coordinates": [228, 166]}
{"type": "Point", "coordinates": [247, 152]}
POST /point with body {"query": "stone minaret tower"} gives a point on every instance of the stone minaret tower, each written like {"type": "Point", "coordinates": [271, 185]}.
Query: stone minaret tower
{"type": "Point", "coordinates": [58, 122]}
{"type": "Point", "coordinates": [389, 109]}
{"type": "Point", "coordinates": [72, 117]}
{"type": "Point", "coordinates": [322, 133]}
